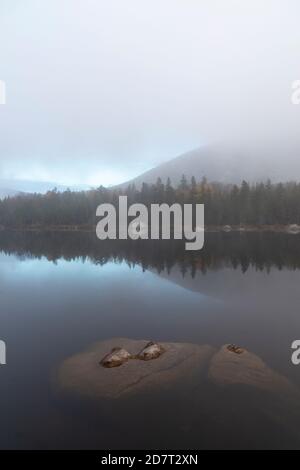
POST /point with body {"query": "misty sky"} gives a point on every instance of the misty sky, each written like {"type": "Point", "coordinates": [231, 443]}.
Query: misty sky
{"type": "Point", "coordinates": [100, 90]}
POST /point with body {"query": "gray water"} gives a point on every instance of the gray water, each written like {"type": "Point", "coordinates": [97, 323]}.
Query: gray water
{"type": "Point", "coordinates": [60, 292]}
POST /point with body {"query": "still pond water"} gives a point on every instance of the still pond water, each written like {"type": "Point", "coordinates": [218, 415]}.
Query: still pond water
{"type": "Point", "coordinates": [61, 292]}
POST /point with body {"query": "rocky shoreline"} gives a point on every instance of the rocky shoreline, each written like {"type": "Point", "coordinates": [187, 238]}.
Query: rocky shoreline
{"type": "Point", "coordinates": [290, 228]}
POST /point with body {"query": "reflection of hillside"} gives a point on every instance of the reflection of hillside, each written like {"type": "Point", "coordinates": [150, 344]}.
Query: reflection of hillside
{"type": "Point", "coordinates": [229, 284]}
{"type": "Point", "coordinates": [240, 251]}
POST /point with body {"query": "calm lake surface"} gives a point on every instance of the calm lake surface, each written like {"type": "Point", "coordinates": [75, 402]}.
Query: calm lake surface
{"type": "Point", "coordinates": [60, 292]}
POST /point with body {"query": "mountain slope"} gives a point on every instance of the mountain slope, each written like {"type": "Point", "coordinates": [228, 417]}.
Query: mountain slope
{"type": "Point", "coordinates": [229, 164]}
{"type": "Point", "coordinates": [8, 192]}
{"type": "Point", "coordinates": [14, 187]}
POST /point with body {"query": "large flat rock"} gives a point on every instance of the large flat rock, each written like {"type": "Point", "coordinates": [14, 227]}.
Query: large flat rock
{"type": "Point", "coordinates": [228, 368]}
{"type": "Point", "coordinates": [84, 375]}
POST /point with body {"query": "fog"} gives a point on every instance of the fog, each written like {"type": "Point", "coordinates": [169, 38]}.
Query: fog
{"type": "Point", "coordinates": [100, 91]}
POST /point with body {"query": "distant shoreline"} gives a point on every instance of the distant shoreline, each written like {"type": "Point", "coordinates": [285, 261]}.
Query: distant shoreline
{"type": "Point", "coordinates": [290, 229]}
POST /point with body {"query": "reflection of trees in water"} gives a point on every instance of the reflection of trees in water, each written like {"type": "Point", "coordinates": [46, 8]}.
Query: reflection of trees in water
{"type": "Point", "coordinates": [236, 250]}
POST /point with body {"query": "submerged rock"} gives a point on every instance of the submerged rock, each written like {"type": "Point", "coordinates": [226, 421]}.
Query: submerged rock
{"type": "Point", "coordinates": [258, 388]}
{"type": "Point", "coordinates": [150, 351]}
{"type": "Point", "coordinates": [181, 363]}
{"type": "Point", "coordinates": [204, 382]}
{"type": "Point", "coordinates": [81, 374]}
{"type": "Point", "coordinates": [115, 358]}
{"type": "Point", "coordinates": [233, 365]}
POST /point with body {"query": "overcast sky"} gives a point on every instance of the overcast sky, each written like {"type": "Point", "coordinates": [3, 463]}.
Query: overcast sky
{"type": "Point", "coordinates": [100, 90]}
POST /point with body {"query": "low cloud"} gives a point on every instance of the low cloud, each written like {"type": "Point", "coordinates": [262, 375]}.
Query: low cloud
{"type": "Point", "coordinates": [100, 91]}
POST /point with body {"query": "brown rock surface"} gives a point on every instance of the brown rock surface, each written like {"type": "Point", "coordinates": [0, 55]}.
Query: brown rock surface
{"type": "Point", "coordinates": [230, 368]}
{"type": "Point", "coordinates": [83, 374]}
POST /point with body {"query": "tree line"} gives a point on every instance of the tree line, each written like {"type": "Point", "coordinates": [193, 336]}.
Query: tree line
{"type": "Point", "coordinates": [256, 204]}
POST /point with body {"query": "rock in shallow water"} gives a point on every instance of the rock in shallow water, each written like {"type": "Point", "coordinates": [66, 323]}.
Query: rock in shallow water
{"type": "Point", "coordinates": [81, 374]}
{"type": "Point", "coordinates": [180, 362]}
{"type": "Point", "coordinates": [150, 351]}
{"type": "Point", "coordinates": [115, 358]}
{"type": "Point", "coordinates": [235, 349]}
{"type": "Point", "coordinates": [233, 366]}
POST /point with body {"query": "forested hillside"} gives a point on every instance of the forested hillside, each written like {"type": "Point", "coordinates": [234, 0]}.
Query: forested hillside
{"type": "Point", "coordinates": [263, 203]}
